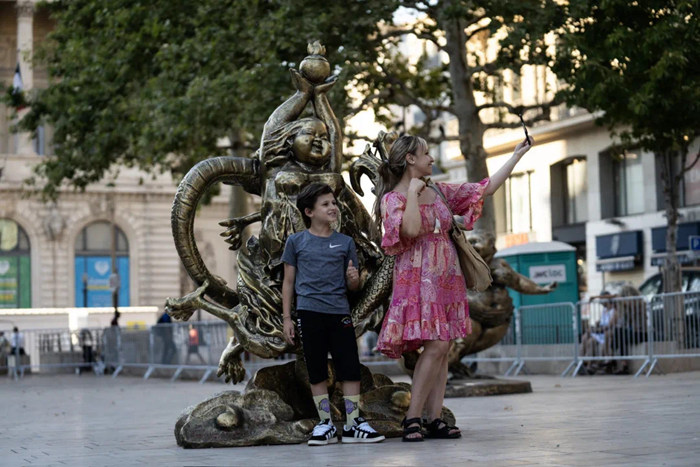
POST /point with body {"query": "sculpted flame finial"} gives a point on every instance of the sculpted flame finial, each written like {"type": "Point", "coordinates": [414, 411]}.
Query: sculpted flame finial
{"type": "Point", "coordinates": [316, 48]}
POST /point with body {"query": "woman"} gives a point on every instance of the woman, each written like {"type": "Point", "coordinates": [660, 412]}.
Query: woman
{"type": "Point", "coordinates": [429, 302]}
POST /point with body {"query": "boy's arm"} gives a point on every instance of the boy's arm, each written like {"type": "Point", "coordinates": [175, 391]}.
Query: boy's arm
{"type": "Point", "coordinates": [288, 290]}
{"type": "Point", "coordinates": [287, 297]}
{"type": "Point", "coordinates": [352, 275]}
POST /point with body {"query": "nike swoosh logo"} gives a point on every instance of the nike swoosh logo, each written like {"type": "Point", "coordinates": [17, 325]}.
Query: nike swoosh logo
{"type": "Point", "coordinates": [333, 246]}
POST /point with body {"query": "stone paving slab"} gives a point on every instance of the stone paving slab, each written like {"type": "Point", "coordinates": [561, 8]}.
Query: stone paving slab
{"type": "Point", "coordinates": [602, 420]}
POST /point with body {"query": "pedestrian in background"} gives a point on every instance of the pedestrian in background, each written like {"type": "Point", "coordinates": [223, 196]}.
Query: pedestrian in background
{"type": "Point", "coordinates": [193, 345]}
{"type": "Point", "coordinates": [17, 342]}
{"type": "Point", "coordinates": [164, 329]}
{"type": "Point", "coordinates": [88, 356]}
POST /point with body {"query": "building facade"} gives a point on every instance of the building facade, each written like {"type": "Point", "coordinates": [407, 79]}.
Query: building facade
{"type": "Point", "coordinates": [573, 186]}
{"type": "Point", "coordinates": [60, 255]}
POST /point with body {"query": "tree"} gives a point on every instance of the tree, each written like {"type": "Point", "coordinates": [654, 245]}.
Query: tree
{"type": "Point", "coordinates": [458, 29]}
{"type": "Point", "coordinates": [639, 63]}
{"type": "Point", "coordinates": [157, 84]}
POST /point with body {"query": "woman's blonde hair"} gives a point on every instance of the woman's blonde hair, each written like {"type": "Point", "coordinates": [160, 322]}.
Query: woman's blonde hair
{"type": "Point", "coordinates": [392, 169]}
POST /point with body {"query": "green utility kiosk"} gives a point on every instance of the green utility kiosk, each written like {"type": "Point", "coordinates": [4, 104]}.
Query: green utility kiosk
{"type": "Point", "coordinates": [545, 262]}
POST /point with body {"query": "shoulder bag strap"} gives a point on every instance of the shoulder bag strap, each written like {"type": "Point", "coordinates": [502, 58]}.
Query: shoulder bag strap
{"type": "Point", "coordinates": [442, 196]}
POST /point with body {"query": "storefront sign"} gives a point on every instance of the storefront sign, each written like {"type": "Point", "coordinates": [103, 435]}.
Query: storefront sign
{"type": "Point", "coordinates": [621, 265]}
{"type": "Point", "coordinates": [548, 273]}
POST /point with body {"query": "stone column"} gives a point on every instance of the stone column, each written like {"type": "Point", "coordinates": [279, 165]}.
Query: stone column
{"type": "Point", "coordinates": [25, 51]}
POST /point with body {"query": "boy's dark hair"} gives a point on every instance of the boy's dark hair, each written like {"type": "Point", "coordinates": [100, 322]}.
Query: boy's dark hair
{"type": "Point", "coordinates": [308, 196]}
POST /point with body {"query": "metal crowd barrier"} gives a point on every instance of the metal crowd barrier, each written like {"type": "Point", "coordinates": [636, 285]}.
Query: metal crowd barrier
{"type": "Point", "coordinates": [505, 354]}
{"type": "Point", "coordinates": [547, 333]}
{"type": "Point", "coordinates": [165, 350]}
{"type": "Point", "coordinates": [564, 338]}
{"type": "Point", "coordinates": [54, 350]}
{"type": "Point", "coordinates": [574, 337]}
{"type": "Point", "coordinates": [674, 323]}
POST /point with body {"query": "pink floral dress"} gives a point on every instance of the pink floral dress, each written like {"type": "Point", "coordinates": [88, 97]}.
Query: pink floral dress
{"type": "Point", "coordinates": [429, 300]}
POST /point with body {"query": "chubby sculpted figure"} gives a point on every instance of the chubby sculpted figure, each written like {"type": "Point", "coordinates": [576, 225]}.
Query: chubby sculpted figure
{"type": "Point", "coordinates": [294, 153]}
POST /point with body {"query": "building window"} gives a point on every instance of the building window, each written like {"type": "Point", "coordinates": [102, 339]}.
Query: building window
{"type": "Point", "coordinates": [569, 191]}
{"type": "Point", "coordinates": [691, 185]}
{"type": "Point", "coordinates": [576, 191]}
{"type": "Point", "coordinates": [15, 266]}
{"type": "Point", "coordinates": [628, 183]}
{"type": "Point", "coordinates": [519, 203]}
{"type": "Point", "coordinates": [40, 141]}
{"type": "Point", "coordinates": [93, 265]}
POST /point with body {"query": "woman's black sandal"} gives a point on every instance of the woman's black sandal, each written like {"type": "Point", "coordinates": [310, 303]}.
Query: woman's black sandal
{"type": "Point", "coordinates": [409, 430]}
{"type": "Point", "coordinates": [438, 428]}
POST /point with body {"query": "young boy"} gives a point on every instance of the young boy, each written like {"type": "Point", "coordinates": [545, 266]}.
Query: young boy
{"type": "Point", "coordinates": [319, 266]}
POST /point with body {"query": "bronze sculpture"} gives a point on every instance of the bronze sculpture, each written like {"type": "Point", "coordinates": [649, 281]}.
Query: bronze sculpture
{"type": "Point", "coordinates": [293, 153]}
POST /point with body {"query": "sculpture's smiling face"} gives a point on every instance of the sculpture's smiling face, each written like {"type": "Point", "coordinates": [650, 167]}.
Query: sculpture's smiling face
{"type": "Point", "coordinates": [311, 145]}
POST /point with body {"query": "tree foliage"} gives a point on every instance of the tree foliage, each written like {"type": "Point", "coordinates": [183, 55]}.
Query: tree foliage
{"type": "Point", "coordinates": [639, 64]}
{"type": "Point", "coordinates": [156, 84]}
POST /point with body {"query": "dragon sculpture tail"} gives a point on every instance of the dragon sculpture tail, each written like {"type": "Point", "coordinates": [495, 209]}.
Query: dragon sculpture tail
{"type": "Point", "coordinates": [226, 169]}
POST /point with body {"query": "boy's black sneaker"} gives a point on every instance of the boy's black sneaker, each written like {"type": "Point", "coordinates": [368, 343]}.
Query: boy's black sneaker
{"type": "Point", "coordinates": [361, 432]}
{"type": "Point", "coordinates": [324, 433]}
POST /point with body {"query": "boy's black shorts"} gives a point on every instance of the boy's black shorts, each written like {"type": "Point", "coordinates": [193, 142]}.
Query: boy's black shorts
{"type": "Point", "coordinates": [322, 333]}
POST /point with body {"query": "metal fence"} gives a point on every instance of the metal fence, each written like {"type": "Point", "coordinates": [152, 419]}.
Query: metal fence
{"type": "Point", "coordinates": [589, 337]}
{"type": "Point", "coordinates": [564, 338]}
{"type": "Point", "coordinates": [172, 350]}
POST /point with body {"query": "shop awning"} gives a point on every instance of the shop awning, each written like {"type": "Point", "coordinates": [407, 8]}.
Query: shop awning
{"type": "Point", "coordinates": [619, 252]}
{"type": "Point", "coordinates": [685, 230]}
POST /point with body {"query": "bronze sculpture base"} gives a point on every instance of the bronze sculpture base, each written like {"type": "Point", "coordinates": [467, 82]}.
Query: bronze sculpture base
{"type": "Point", "coordinates": [277, 408]}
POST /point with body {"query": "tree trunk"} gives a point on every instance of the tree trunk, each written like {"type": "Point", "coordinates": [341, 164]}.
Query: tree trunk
{"type": "Point", "coordinates": [674, 307]}
{"type": "Point", "coordinates": [671, 267]}
{"type": "Point", "coordinates": [471, 129]}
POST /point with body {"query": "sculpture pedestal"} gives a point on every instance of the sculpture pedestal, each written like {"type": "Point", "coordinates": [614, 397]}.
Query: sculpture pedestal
{"type": "Point", "coordinates": [277, 408]}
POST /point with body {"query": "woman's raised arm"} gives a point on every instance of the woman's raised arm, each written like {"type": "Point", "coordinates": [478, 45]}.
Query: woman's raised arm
{"type": "Point", "coordinates": [504, 172]}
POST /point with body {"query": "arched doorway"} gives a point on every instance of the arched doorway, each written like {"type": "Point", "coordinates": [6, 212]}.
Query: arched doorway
{"type": "Point", "coordinates": [15, 266]}
{"type": "Point", "coordinates": [93, 265]}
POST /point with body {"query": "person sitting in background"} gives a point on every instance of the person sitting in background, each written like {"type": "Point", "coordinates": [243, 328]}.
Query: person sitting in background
{"type": "Point", "coordinates": [628, 326]}
{"type": "Point", "coordinates": [596, 340]}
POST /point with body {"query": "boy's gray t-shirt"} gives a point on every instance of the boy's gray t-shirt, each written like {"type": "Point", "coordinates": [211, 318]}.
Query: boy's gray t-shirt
{"type": "Point", "coordinates": [321, 263]}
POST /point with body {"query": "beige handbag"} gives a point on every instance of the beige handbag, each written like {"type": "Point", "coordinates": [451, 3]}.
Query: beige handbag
{"type": "Point", "coordinates": [477, 274]}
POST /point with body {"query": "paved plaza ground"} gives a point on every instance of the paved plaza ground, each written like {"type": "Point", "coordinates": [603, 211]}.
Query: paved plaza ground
{"type": "Point", "coordinates": [602, 420]}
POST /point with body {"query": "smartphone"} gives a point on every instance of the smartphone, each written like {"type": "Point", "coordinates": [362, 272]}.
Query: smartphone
{"type": "Point", "coordinates": [527, 136]}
